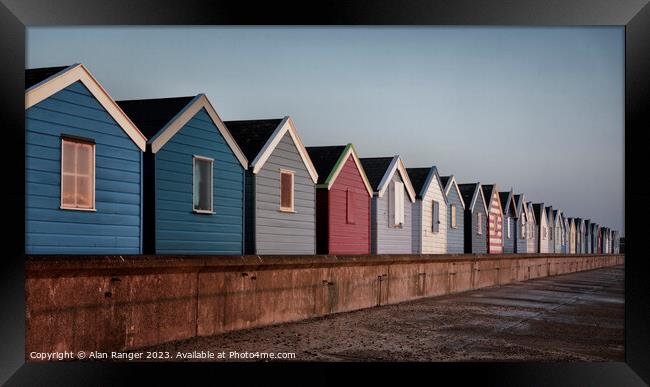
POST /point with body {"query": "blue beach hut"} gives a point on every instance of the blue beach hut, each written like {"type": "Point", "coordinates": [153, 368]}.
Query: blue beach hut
{"type": "Point", "coordinates": [83, 167]}
{"type": "Point", "coordinates": [193, 178]}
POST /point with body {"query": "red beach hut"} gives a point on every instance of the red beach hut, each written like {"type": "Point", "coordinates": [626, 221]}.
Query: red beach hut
{"type": "Point", "coordinates": [343, 197]}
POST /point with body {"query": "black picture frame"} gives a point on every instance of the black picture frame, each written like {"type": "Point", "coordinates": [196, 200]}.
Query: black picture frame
{"type": "Point", "coordinates": [15, 15]}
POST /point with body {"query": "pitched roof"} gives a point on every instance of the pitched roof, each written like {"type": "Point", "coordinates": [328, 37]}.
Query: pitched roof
{"type": "Point", "coordinates": [52, 80]}
{"type": "Point", "coordinates": [447, 182]}
{"type": "Point", "coordinates": [375, 168]}
{"type": "Point", "coordinates": [34, 76]}
{"type": "Point", "coordinates": [418, 177]}
{"type": "Point", "coordinates": [503, 196]}
{"type": "Point", "coordinates": [529, 206]}
{"type": "Point", "coordinates": [549, 214]}
{"type": "Point", "coordinates": [252, 135]}
{"type": "Point", "coordinates": [519, 204]}
{"type": "Point", "coordinates": [487, 190]}
{"type": "Point", "coordinates": [467, 191]}
{"type": "Point", "coordinates": [507, 200]}
{"type": "Point", "coordinates": [324, 159]}
{"type": "Point", "coordinates": [151, 115]}
{"type": "Point", "coordinates": [537, 210]}
{"type": "Point", "coordinates": [470, 192]}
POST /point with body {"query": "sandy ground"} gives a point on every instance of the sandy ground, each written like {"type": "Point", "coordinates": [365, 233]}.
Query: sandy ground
{"type": "Point", "coordinates": [573, 317]}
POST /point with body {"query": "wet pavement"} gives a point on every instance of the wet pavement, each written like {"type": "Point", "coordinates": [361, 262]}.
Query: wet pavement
{"type": "Point", "coordinates": [572, 317]}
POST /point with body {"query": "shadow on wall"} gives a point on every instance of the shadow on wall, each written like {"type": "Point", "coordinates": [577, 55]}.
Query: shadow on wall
{"type": "Point", "coordinates": [100, 303]}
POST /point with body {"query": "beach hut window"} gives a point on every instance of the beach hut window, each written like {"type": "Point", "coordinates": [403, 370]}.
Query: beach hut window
{"type": "Point", "coordinates": [349, 206]}
{"type": "Point", "coordinates": [453, 216]}
{"type": "Point", "coordinates": [77, 174]}
{"type": "Point", "coordinates": [202, 184]}
{"type": "Point", "coordinates": [286, 190]}
{"type": "Point", "coordinates": [396, 204]}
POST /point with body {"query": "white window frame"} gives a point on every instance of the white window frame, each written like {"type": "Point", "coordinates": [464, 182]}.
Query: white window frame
{"type": "Point", "coordinates": [453, 212]}
{"type": "Point", "coordinates": [293, 190]}
{"type": "Point", "coordinates": [94, 172]}
{"type": "Point", "coordinates": [508, 228]}
{"type": "Point", "coordinates": [479, 224]}
{"type": "Point", "coordinates": [203, 158]}
{"type": "Point", "coordinates": [398, 204]}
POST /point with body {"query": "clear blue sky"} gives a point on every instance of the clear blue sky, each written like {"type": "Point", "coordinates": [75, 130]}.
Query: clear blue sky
{"type": "Point", "coordinates": [537, 109]}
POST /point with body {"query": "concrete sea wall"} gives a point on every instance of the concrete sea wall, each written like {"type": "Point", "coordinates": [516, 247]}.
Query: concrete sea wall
{"type": "Point", "coordinates": [119, 303]}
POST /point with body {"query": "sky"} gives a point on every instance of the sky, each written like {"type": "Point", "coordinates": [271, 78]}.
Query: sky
{"type": "Point", "coordinates": [536, 109]}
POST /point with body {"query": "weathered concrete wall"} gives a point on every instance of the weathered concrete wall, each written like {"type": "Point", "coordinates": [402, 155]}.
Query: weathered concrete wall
{"type": "Point", "coordinates": [118, 303]}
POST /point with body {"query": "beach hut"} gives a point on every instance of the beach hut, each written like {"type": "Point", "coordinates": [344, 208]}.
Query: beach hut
{"type": "Point", "coordinates": [475, 218]}
{"type": "Point", "coordinates": [521, 210]}
{"type": "Point", "coordinates": [580, 235]}
{"type": "Point", "coordinates": [193, 177]}
{"type": "Point", "coordinates": [550, 229]}
{"type": "Point", "coordinates": [616, 242]}
{"type": "Point", "coordinates": [455, 215]}
{"type": "Point", "coordinates": [533, 246]}
{"type": "Point", "coordinates": [587, 239]}
{"type": "Point", "coordinates": [558, 231]}
{"type": "Point", "coordinates": [429, 212]}
{"type": "Point", "coordinates": [603, 232]}
{"type": "Point", "coordinates": [280, 188]}
{"type": "Point", "coordinates": [83, 167]}
{"type": "Point", "coordinates": [391, 209]}
{"type": "Point", "coordinates": [343, 197]}
{"type": "Point", "coordinates": [610, 248]}
{"type": "Point", "coordinates": [572, 235]}
{"type": "Point", "coordinates": [509, 233]}
{"type": "Point", "coordinates": [565, 234]}
{"type": "Point", "coordinates": [542, 227]}
{"type": "Point", "coordinates": [495, 218]}
{"type": "Point", "coordinates": [593, 231]}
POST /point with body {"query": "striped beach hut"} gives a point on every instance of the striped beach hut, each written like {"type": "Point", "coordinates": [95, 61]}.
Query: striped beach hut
{"type": "Point", "coordinates": [391, 210]}
{"type": "Point", "coordinates": [455, 215]}
{"type": "Point", "coordinates": [193, 177]}
{"type": "Point", "coordinates": [343, 197]}
{"type": "Point", "coordinates": [83, 167]}
{"type": "Point", "coordinates": [495, 218]}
